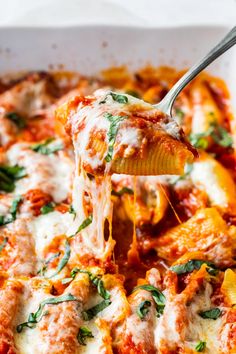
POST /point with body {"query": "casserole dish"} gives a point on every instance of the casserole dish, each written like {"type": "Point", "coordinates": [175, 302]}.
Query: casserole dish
{"type": "Point", "coordinates": [58, 298]}
{"type": "Point", "coordinates": [112, 45]}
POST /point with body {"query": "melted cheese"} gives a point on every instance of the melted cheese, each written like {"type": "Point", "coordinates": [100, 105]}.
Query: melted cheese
{"type": "Point", "coordinates": [130, 136]}
{"type": "Point", "coordinates": [26, 97]}
{"type": "Point", "coordinates": [99, 192]}
{"type": "Point", "coordinates": [7, 129]}
{"type": "Point", "coordinates": [51, 173]}
{"type": "Point", "coordinates": [45, 227]}
{"type": "Point", "coordinates": [141, 331]}
{"type": "Point", "coordinates": [5, 204]}
{"type": "Point", "coordinates": [204, 175]}
{"type": "Point", "coordinates": [200, 329]}
{"type": "Point", "coordinates": [91, 127]}
{"type": "Point", "coordinates": [21, 248]}
{"type": "Point", "coordinates": [30, 238]}
{"type": "Point", "coordinates": [199, 116]}
{"type": "Point", "coordinates": [101, 343]}
{"type": "Point", "coordinates": [170, 332]}
{"type": "Point", "coordinates": [29, 340]}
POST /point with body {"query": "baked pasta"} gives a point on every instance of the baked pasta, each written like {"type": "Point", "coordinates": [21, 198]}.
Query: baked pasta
{"type": "Point", "coordinates": [98, 255]}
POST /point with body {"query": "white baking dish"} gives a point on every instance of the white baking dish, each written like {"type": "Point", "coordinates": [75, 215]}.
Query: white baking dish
{"type": "Point", "coordinates": [89, 49]}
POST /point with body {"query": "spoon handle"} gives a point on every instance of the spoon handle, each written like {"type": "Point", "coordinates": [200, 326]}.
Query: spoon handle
{"type": "Point", "coordinates": [227, 42]}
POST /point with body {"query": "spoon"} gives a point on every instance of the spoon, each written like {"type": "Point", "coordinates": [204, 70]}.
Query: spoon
{"type": "Point", "coordinates": [166, 103]}
{"type": "Point", "coordinates": [165, 153]}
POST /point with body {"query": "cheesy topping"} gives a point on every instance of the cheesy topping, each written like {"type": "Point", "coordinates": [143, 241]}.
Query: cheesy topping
{"type": "Point", "coordinates": [101, 251]}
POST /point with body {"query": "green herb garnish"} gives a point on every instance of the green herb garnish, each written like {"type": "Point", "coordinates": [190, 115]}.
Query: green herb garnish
{"type": "Point", "coordinates": [124, 190]}
{"type": "Point", "coordinates": [193, 264]}
{"type": "Point", "coordinates": [72, 210]}
{"type": "Point", "coordinates": [93, 311]}
{"type": "Point", "coordinates": [73, 275]}
{"type": "Point", "coordinates": [35, 317]}
{"type": "Point", "coordinates": [116, 97]}
{"type": "Point", "coordinates": [222, 137]}
{"type": "Point", "coordinates": [143, 309]}
{"type": "Point", "coordinates": [63, 262]}
{"type": "Point", "coordinates": [84, 224]}
{"type": "Point", "coordinates": [179, 112]}
{"type": "Point", "coordinates": [45, 264]}
{"type": "Point", "coordinates": [188, 170]}
{"type": "Point", "coordinates": [212, 314]}
{"type": "Point", "coordinates": [201, 346]}
{"type": "Point", "coordinates": [96, 280]}
{"type": "Point", "coordinates": [47, 208]}
{"type": "Point", "coordinates": [158, 297]}
{"type": "Point", "coordinates": [13, 210]}
{"type": "Point", "coordinates": [3, 244]}
{"type": "Point", "coordinates": [17, 119]}
{"type": "Point", "coordinates": [14, 206]}
{"type": "Point", "coordinates": [84, 333]}
{"type": "Point", "coordinates": [46, 148]}
{"type": "Point", "coordinates": [219, 135]}
{"type": "Point", "coordinates": [9, 175]}
{"type": "Point", "coordinates": [112, 133]}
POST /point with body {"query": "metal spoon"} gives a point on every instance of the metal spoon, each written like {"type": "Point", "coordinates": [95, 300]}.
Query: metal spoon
{"type": "Point", "coordinates": [167, 102]}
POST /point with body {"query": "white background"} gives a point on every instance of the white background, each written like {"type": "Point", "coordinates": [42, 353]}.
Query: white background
{"type": "Point", "coordinates": [127, 12]}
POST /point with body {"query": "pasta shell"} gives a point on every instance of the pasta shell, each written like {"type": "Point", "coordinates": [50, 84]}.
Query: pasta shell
{"type": "Point", "coordinates": [166, 156]}
{"type": "Point", "coordinates": [209, 175]}
{"type": "Point", "coordinates": [99, 146]}
{"type": "Point", "coordinates": [228, 286]}
{"type": "Point", "coordinates": [206, 232]}
{"type": "Point", "coordinates": [138, 213]}
{"type": "Point", "coordinates": [116, 76]}
{"type": "Point", "coordinates": [205, 110]}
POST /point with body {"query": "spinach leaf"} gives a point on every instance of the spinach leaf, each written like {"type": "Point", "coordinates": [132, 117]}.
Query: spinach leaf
{"type": "Point", "coordinates": [179, 112]}
{"type": "Point", "coordinates": [143, 309]}
{"type": "Point", "coordinates": [116, 97]}
{"type": "Point", "coordinates": [3, 244]}
{"type": "Point", "coordinates": [93, 311]}
{"type": "Point", "coordinates": [13, 210]}
{"type": "Point", "coordinates": [219, 135]}
{"type": "Point", "coordinates": [122, 191]}
{"type": "Point", "coordinates": [43, 269]}
{"type": "Point", "coordinates": [63, 262]}
{"type": "Point", "coordinates": [47, 208]}
{"type": "Point", "coordinates": [83, 225]}
{"type": "Point", "coordinates": [212, 313]}
{"type": "Point", "coordinates": [222, 137]}
{"type": "Point", "coordinates": [193, 264]}
{"type": "Point", "coordinates": [84, 333]}
{"type": "Point", "coordinates": [96, 281]}
{"type": "Point", "coordinates": [35, 317]}
{"type": "Point", "coordinates": [72, 210]}
{"type": "Point", "coordinates": [46, 148]}
{"type": "Point", "coordinates": [112, 133]}
{"type": "Point", "coordinates": [17, 119]}
{"type": "Point", "coordinates": [9, 175]}
{"type": "Point", "coordinates": [201, 346]}
{"type": "Point", "coordinates": [158, 297]}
